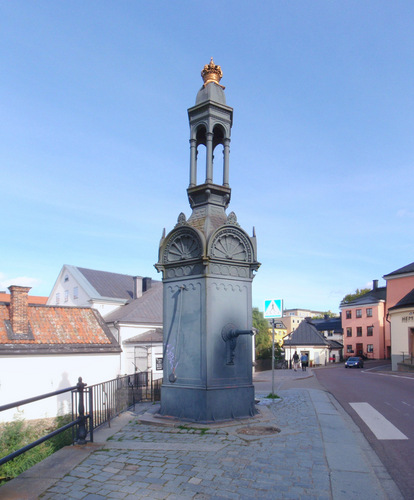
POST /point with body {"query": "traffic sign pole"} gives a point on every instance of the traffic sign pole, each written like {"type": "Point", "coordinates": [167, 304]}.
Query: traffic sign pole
{"type": "Point", "coordinates": [273, 357]}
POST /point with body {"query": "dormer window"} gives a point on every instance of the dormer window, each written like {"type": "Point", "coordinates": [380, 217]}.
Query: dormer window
{"type": "Point", "coordinates": [66, 277]}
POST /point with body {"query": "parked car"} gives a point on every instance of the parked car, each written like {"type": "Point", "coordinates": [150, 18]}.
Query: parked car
{"type": "Point", "coordinates": [356, 362]}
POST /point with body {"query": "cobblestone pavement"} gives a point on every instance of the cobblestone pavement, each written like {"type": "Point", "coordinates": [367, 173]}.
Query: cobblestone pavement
{"type": "Point", "coordinates": [157, 462]}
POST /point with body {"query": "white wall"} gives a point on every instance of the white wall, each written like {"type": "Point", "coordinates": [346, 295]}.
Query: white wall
{"type": "Point", "coordinates": [104, 308]}
{"type": "Point", "coordinates": [128, 355]}
{"type": "Point", "coordinates": [401, 322]}
{"type": "Point", "coordinates": [22, 377]}
{"type": "Point", "coordinates": [82, 300]}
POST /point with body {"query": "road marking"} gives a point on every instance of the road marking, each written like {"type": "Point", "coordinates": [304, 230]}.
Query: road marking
{"type": "Point", "coordinates": [379, 425]}
{"type": "Point", "coordinates": [371, 372]}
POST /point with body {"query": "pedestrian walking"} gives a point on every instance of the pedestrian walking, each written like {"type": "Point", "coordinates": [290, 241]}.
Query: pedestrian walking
{"type": "Point", "coordinates": [304, 361]}
{"type": "Point", "coordinates": [295, 359]}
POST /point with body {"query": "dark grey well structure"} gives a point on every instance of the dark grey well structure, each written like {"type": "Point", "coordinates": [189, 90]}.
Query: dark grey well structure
{"type": "Point", "coordinates": [208, 264]}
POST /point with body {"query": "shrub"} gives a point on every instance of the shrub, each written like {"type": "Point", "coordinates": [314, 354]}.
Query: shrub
{"type": "Point", "coordinates": [19, 433]}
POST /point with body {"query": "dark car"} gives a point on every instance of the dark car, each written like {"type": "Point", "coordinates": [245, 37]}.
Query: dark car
{"type": "Point", "coordinates": [354, 363]}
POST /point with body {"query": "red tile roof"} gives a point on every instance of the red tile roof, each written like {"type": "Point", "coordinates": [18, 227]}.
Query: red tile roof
{"type": "Point", "coordinates": [33, 299]}
{"type": "Point", "coordinates": [56, 327]}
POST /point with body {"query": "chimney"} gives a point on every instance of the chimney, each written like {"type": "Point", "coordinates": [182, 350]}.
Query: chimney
{"type": "Point", "coordinates": [19, 316]}
{"type": "Point", "coordinates": [137, 293]}
{"type": "Point", "coordinates": [374, 284]}
{"type": "Point", "coordinates": [146, 284]}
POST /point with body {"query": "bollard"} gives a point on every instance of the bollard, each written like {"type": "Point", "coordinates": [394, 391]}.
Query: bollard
{"type": "Point", "coordinates": [81, 434]}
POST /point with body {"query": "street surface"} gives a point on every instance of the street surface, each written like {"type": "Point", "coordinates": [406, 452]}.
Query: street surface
{"type": "Point", "coordinates": [382, 405]}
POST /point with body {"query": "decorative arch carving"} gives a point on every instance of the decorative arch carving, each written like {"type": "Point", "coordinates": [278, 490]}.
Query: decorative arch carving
{"type": "Point", "coordinates": [184, 244]}
{"type": "Point", "coordinates": [232, 245]}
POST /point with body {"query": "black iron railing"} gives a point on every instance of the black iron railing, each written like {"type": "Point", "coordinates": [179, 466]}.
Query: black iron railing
{"type": "Point", "coordinates": [95, 405]}
{"type": "Point", "coordinates": [408, 358]}
{"type": "Point", "coordinates": [79, 420]}
{"type": "Point", "coordinates": [108, 399]}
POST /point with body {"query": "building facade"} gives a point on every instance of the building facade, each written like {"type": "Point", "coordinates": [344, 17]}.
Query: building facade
{"type": "Point", "coordinates": [46, 348]}
{"type": "Point", "coordinates": [293, 317]}
{"type": "Point", "coordinates": [400, 316]}
{"type": "Point", "coordinates": [363, 324]}
{"type": "Point", "coordinates": [307, 340]}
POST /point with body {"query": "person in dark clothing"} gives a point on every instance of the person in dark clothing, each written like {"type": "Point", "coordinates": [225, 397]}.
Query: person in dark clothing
{"type": "Point", "coordinates": [295, 359]}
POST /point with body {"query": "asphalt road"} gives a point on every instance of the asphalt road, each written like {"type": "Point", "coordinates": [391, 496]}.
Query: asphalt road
{"type": "Point", "coordinates": [392, 396]}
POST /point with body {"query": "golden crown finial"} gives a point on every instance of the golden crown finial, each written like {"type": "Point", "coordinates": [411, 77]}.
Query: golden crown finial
{"type": "Point", "coordinates": [212, 73]}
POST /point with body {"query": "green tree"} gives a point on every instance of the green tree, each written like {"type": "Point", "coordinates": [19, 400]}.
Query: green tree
{"type": "Point", "coordinates": [262, 339]}
{"type": "Point", "coordinates": [352, 296]}
{"type": "Point", "coordinates": [329, 313]}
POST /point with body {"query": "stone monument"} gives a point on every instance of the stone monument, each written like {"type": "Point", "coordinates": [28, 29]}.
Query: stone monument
{"type": "Point", "coordinates": [208, 264]}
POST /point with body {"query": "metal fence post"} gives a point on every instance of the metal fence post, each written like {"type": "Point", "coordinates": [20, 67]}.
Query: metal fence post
{"type": "Point", "coordinates": [90, 389]}
{"type": "Point", "coordinates": [81, 434]}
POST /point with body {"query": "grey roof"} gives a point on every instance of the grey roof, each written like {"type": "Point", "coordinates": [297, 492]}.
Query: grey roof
{"type": "Point", "coordinates": [211, 92]}
{"type": "Point", "coordinates": [145, 309]}
{"type": "Point", "coordinates": [155, 335]}
{"type": "Point", "coordinates": [329, 324]}
{"type": "Point", "coordinates": [409, 268]}
{"type": "Point", "coordinates": [114, 285]}
{"type": "Point", "coordinates": [406, 301]}
{"type": "Point", "coordinates": [372, 297]}
{"type": "Point", "coordinates": [306, 334]}
{"type": "Point", "coordinates": [333, 344]}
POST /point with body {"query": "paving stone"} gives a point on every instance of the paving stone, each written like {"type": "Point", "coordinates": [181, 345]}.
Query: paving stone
{"type": "Point", "coordinates": [289, 465]}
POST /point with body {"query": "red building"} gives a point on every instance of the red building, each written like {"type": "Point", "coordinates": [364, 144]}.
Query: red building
{"type": "Point", "coordinates": [363, 323]}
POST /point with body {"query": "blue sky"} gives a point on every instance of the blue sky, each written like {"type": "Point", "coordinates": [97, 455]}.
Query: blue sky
{"type": "Point", "coordinates": [94, 136]}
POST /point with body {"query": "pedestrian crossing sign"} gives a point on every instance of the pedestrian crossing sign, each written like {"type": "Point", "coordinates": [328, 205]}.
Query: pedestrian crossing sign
{"type": "Point", "coordinates": [273, 308]}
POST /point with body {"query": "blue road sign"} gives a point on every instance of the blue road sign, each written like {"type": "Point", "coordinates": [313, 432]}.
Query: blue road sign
{"type": "Point", "coordinates": [273, 308]}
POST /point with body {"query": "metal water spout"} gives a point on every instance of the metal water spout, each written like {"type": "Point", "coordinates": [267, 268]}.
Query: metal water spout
{"type": "Point", "coordinates": [229, 334]}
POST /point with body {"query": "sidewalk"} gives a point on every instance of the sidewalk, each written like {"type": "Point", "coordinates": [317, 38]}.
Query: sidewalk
{"type": "Point", "coordinates": [301, 446]}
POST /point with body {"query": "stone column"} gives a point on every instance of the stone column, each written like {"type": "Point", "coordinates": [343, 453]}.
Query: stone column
{"type": "Point", "coordinates": [193, 162]}
{"type": "Point", "coordinates": [226, 153]}
{"type": "Point", "coordinates": [209, 157]}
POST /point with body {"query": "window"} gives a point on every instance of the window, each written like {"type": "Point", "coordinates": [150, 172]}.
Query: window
{"type": "Point", "coordinates": [66, 295]}
{"type": "Point", "coordinates": [370, 331]}
{"type": "Point", "coordinates": [348, 314]}
{"type": "Point", "coordinates": [158, 363]}
{"type": "Point", "coordinates": [359, 331]}
{"type": "Point", "coordinates": [330, 334]}
{"type": "Point", "coordinates": [349, 348]}
{"type": "Point", "coordinates": [66, 277]}
{"type": "Point", "coordinates": [359, 313]}
{"type": "Point", "coordinates": [349, 332]}
{"type": "Point", "coordinates": [370, 348]}
{"type": "Point", "coordinates": [57, 298]}
{"type": "Point", "coordinates": [75, 292]}
{"type": "Point", "coordinates": [369, 312]}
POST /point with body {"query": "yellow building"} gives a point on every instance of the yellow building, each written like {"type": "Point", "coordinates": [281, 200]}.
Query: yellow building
{"type": "Point", "coordinates": [280, 331]}
{"type": "Point", "coordinates": [293, 317]}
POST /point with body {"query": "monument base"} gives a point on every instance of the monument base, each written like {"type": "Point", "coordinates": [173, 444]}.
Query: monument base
{"type": "Point", "coordinates": [207, 405]}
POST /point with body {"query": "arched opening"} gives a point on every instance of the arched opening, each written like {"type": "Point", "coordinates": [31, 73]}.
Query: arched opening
{"type": "Point", "coordinates": [218, 159]}
{"type": "Point", "coordinates": [201, 162]}
{"type": "Point", "coordinates": [219, 155]}
{"type": "Point", "coordinates": [201, 154]}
